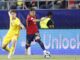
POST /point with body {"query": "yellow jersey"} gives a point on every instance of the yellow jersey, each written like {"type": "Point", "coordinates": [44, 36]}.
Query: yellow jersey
{"type": "Point", "coordinates": [13, 30]}
{"type": "Point", "coordinates": [14, 25]}
{"type": "Point", "coordinates": [44, 21]}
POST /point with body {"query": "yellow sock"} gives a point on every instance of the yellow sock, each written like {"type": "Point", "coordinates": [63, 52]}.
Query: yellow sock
{"type": "Point", "coordinates": [12, 50]}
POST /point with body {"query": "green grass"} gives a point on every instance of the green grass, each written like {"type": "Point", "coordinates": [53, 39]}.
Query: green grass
{"type": "Point", "coordinates": [40, 57]}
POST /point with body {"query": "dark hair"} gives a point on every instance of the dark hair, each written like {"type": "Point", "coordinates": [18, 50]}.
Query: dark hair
{"type": "Point", "coordinates": [49, 14]}
{"type": "Point", "coordinates": [32, 9]}
{"type": "Point", "coordinates": [13, 10]}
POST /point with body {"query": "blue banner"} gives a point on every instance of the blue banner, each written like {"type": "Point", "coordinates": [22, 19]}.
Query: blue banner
{"type": "Point", "coordinates": [57, 41]}
{"type": "Point", "coordinates": [62, 18]}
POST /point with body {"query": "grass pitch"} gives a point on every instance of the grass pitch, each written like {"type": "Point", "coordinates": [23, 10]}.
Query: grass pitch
{"type": "Point", "coordinates": [40, 57]}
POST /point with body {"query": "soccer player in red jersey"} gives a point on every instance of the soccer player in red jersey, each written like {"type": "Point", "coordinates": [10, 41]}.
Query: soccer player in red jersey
{"type": "Point", "coordinates": [32, 31]}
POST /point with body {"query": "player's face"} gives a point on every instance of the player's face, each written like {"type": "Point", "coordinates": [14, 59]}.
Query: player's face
{"type": "Point", "coordinates": [13, 15]}
{"type": "Point", "coordinates": [50, 16]}
{"type": "Point", "coordinates": [32, 13]}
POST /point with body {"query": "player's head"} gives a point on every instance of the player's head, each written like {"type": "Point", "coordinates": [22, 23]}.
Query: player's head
{"type": "Point", "coordinates": [49, 14]}
{"type": "Point", "coordinates": [13, 13]}
{"type": "Point", "coordinates": [32, 12]}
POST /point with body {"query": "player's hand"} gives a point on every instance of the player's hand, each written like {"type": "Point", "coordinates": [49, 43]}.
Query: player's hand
{"type": "Point", "coordinates": [9, 13]}
{"type": "Point", "coordinates": [22, 26]}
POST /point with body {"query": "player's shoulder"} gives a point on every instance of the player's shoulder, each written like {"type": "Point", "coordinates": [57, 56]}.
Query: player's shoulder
{"type": "Point", "coordinates": [17, 18]}
{"type": "Point", "coordinates": [28, 16]}
{"type": "Point", "coordinates": [43, 18]}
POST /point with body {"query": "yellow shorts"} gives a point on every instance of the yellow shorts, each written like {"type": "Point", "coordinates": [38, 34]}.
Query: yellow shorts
{"type": "Point", "coordinates": [9, 37]}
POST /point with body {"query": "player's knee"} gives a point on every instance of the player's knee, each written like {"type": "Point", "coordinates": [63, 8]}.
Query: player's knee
{"type": "Point", "coordinates": [27, 45]}
{"type": "Point", "coordinates": [3, 46]}
{"type": "Point", "coordinates": [37, 38]}
{"type": "Point", "coordinates": [14, 38]}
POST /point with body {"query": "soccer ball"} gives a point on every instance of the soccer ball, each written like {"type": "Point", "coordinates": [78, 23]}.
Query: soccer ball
{"type": "Point", "coordinates": [47, 54]}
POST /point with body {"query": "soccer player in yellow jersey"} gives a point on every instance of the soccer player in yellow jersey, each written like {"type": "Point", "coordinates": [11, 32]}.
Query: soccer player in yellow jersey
{"type": "Point", "coordinates": [13, 33]}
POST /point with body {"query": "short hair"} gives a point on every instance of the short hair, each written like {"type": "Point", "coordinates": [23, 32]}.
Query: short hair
{"type": "Point", "coordinates": [32, 9]}
{"type": "Point", "coordinates": [49, 14]}
{"type": "Point", "coordinates": [13, 10]}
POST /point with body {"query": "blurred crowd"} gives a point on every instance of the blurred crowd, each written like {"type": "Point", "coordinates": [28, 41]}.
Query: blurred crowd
{"type": "Point", "coordinates": [39, 4]}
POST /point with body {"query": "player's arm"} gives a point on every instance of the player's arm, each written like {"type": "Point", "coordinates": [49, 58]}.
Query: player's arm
{"type": "Point", "coordinates": [18, 22]}
{"type": "Point", "coordinates": [9, 14]}
{"type": "Point", "coordinates": [38, 20]}
{"type": "Point", "coordinates": [10, 18]}
{"type": "Point", "coordinates": [22, 26]}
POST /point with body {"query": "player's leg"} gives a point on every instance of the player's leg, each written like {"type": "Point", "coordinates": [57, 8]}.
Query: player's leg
{"type": "Point", "coordinates": [12, 49]}
{"type": "Point", "coordinates": [37, 39]}
{"type": "Point", "coordinates": [5, 43]}
{"type": "Point", "coordinates": [5, 47]}
{"type": "Point", "coordinates": [29, 39]}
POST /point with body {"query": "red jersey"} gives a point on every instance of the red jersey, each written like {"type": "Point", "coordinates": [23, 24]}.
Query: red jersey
{"type": "Point", "coordinates": [31, 25]}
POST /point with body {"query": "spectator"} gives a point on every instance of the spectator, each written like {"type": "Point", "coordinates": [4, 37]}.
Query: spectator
{"type": "Point", "coordinates": [46, 4]}
{"type": "Point", "coordinates": [46, 22]}
{"type": "Point", "coordinates": [2, 4]}
{"type": "Point", "coordinates": [12, 4]}
{"type": "Point", "coordinates": [34, 5]}
{"type": "Point", "coordinates": [28, 4]}
{"type": "Point", "coordinates": [19, 4]}
{"type": "Point", "coordinates": [77, 4]}
{"type": "Point", "coordinates": [60, 4]}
